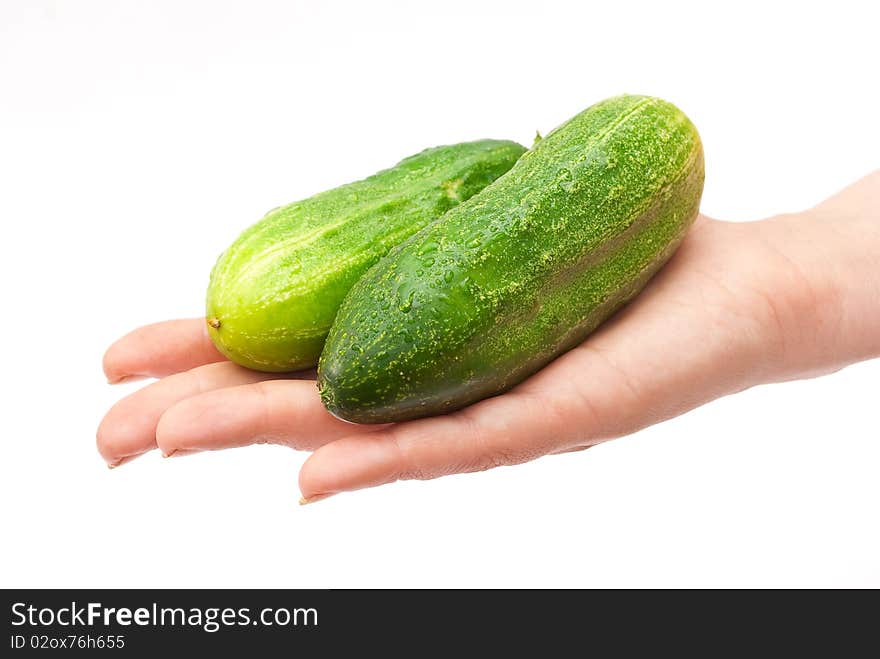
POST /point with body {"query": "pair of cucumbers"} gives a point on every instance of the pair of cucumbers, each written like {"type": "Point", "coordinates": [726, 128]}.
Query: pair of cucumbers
{"type": "Point", "coordinates": [464, 269]}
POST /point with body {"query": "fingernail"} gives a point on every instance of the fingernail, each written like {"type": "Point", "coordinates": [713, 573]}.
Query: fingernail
{"type": "Point", "coordinates": [121, 461]}
{"type": "Point", "coordinates": [180, 452]}
{"type": "Point", "coordinates": [315, 498]}
{"type": "Point", "coordinates": [124, 379]}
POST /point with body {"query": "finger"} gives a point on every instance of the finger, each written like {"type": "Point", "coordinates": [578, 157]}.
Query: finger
{"type": "Point", "coordinates": [160, 349]}
{"type": "Point", "coordinates": [129, 428]}
{"type": "Point", "coordinates": [287, 412]}
{"type": "Point", "coordinates": [506, 430]}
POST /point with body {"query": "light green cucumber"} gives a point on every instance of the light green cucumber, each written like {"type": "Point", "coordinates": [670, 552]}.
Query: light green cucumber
{"type": "Point", "coordinates": [507, 281]}
{"type": "Point", "coordinates": [274, 293]}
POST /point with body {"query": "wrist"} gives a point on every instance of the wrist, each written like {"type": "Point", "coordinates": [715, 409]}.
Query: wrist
{"type": "Point", "coordinates": [825, 289]}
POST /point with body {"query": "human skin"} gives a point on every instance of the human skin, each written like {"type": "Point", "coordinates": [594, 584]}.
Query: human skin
{"type": "Point", "coordinates": [740, 304]}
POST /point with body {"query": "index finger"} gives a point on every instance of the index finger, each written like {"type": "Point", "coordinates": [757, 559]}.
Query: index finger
{"type": "Point", "coordinates": [160, 349]}
{"type": "Point", "coordinates": [504, 430]}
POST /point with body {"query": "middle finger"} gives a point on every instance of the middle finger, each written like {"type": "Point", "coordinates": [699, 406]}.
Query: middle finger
{"type": "Point", "coordinates": [129, 428]}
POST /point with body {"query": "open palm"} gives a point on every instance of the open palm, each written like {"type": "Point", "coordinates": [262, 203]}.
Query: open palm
{"type": "Point", "coordinates": [727, 312]}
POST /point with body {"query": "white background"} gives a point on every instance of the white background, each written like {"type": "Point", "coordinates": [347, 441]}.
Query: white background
{"type": "Point", "coordinates": [138, 138]}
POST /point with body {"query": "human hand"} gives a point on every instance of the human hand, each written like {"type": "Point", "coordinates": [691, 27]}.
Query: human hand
{"type": "Point", "coordinates": [739, 304]}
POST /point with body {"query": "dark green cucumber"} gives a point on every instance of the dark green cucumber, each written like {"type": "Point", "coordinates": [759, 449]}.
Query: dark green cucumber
{"type": "Point", "coordinates": [502, 284]}
{"type": "Point", "coordinates": [274, 293]}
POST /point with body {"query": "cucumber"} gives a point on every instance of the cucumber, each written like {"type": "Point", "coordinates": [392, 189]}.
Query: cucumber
{"type": "Point", "coordinates": [502, 284]}
{"type": "Point", "coordinates": [274, 293]}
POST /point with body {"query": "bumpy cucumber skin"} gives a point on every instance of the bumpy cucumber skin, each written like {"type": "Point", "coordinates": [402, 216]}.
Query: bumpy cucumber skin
{"type": "Point", "coordinates": [502, 284]}
{"type": "Point", "coordinates": [274, 293]}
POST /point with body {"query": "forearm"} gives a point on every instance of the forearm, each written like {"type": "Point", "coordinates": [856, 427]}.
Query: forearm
{"type": "Point", "coordinates": [827, 289]}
